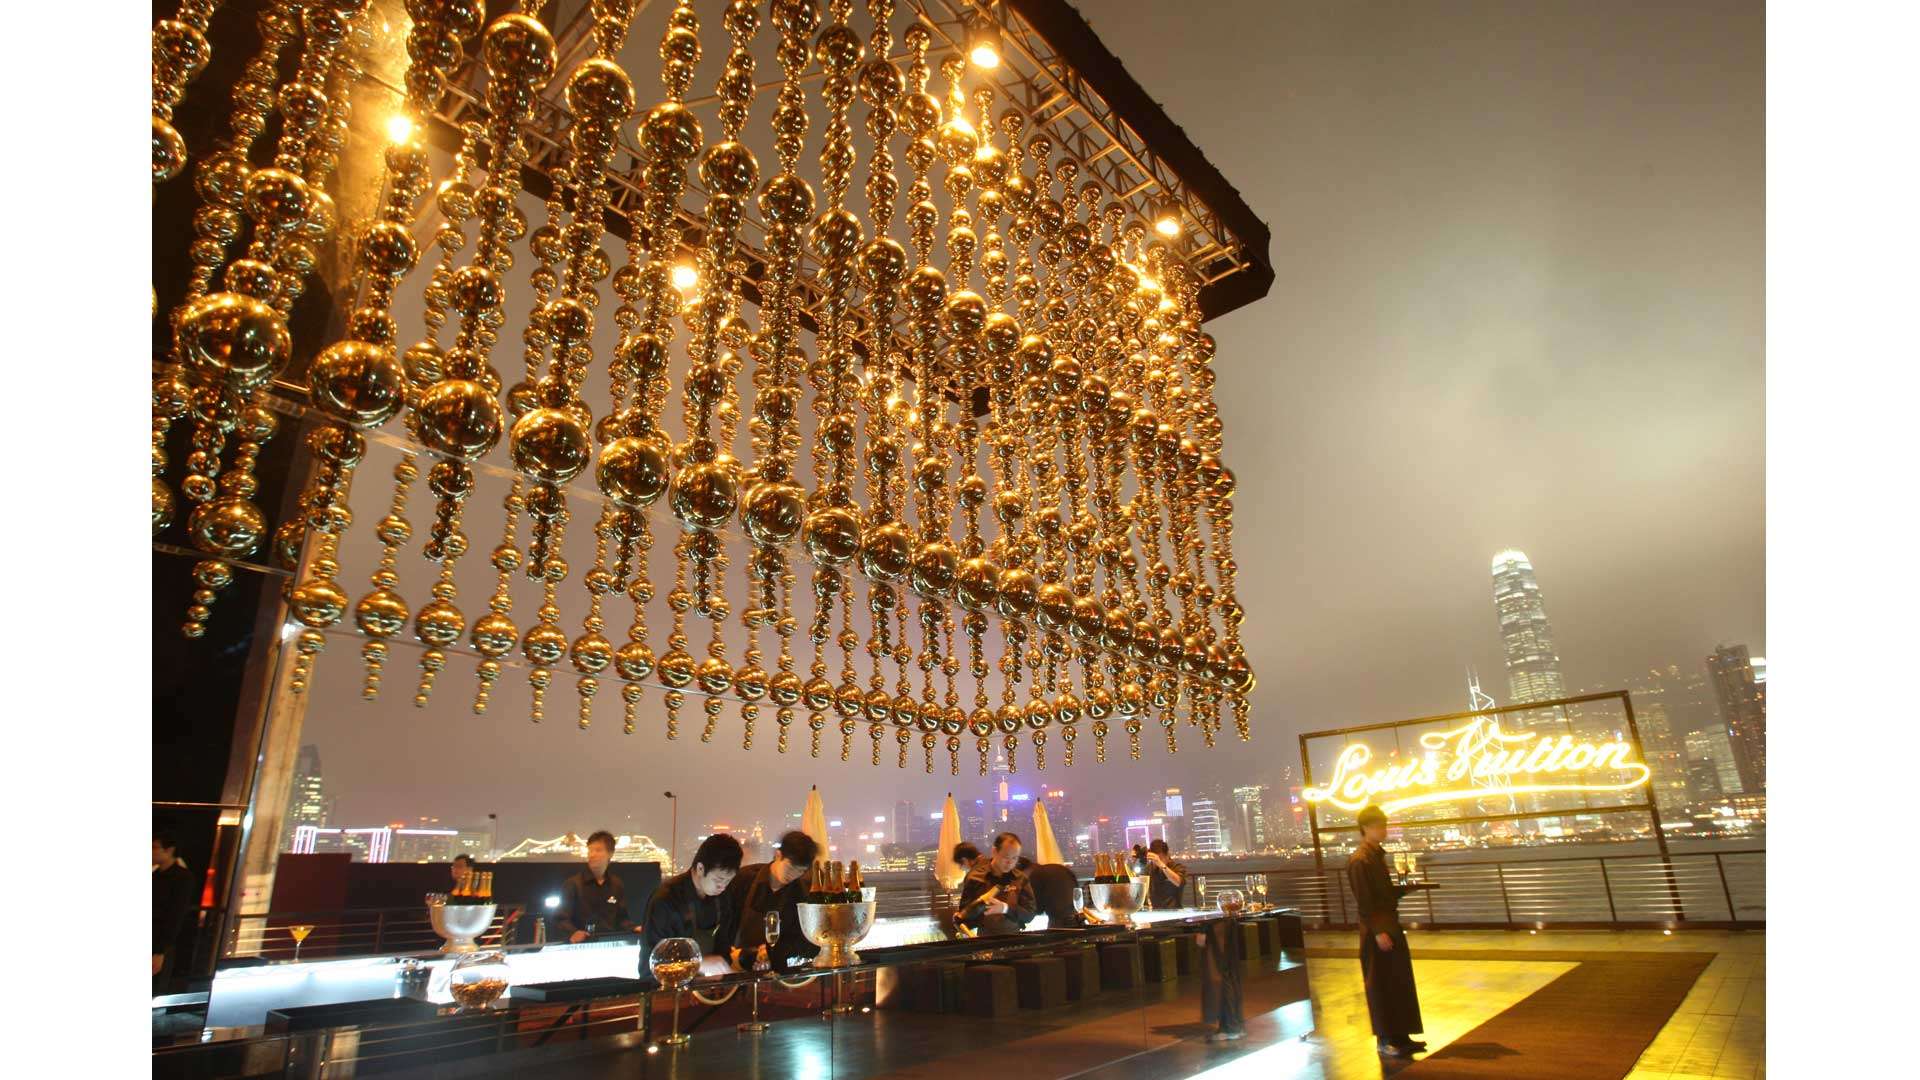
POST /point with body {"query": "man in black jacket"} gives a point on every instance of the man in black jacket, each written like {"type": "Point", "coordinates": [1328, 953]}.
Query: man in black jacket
{"type": "Point", "coordinates": [593, 903]}
{"type": "Point", "coordinates": [1010, 907]}
{"type": "Point", "coordinates": [781, 886]}
{"type": "Point", "coordinates": [689, 904]}
{"type": "Point", "coordinates": [1392, 1002]}
{"type": "Point", "coordinates": [174, 905]}
{"type": "Point", "coordinates": [1053, 885]}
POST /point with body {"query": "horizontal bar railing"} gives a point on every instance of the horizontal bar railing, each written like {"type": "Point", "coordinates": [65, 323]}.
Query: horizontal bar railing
{"type": "Point", "coordinates": [1716, 889]}
{"type": "Point", "coordinates": [348, 932]}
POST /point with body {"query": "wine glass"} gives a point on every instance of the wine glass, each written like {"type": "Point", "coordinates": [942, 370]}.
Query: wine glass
{"type": "Point", "coordinates": [674, 963]}
{"type": "Point", "coordinates": [299, 933]}
{"type": "Point", "coordinates": [1257, 889]}
{"type": "Point", "coordinates": [1413, 864]}
{"type": "Point", "coordinates": [1400, 865]}
{"type": "Point", "coordinates": [1079, 898]}
{"type": "Point", "coordinates": [772, 926]}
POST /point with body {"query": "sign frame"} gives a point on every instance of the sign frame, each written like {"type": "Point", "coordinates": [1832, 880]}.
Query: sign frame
{"type": "Point", "coordinates": [1648, 807]}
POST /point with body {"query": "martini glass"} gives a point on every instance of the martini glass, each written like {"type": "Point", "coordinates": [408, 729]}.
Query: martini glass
{"type": "Point", "coordinates": [299, 933]}
{"type": "Point", "coordinates": [772, 925]}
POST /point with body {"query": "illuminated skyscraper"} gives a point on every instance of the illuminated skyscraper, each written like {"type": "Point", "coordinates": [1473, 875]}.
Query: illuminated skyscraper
{"type": "Point", "coordinates": [1170, 804]}
{"type": "Point", "coordinates": [1208, 838]}
{"type": "Point", "coordinates": [1743, 705]}
{"type": "Point", "coordinates": [1249, 803]}
{"type": "Point", "coordinates": [306, 804]}
{"type": "Point", "coordinates": [1533, 668]}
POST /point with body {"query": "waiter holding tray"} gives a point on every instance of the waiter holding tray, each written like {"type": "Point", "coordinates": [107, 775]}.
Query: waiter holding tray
{"type": "Point", "coordinates": [1392, 1002]}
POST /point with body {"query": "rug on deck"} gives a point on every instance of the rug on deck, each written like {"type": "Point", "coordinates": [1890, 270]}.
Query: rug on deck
{"type": "Point", "coordinates": [1591, 1023]}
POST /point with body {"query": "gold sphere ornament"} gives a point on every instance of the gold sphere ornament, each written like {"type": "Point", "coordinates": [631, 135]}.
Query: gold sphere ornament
{"type": "Point", "coordinates": [169, 151]}
{"type": "Point", "coordinates": [550, 445]}
{"type": "Point", "coordinates": [832, 535]}
{"type": "Point", "coordinates": [162, 505]}
{"type": "Point", "coordinates": [886, 552]}
{"type": "Point", "coordinates": [230, 526]}
{"type": "Point", "coordinates": [705, 494]}
{"type": "Point", "coordinates": [359, 384]}
{"type": "Point", "coordinates": [235, 339]}
{"type": "Point", "coordinates": [381, 613]}
{"type": "Point", "coordinates": [773, 512]}
{"type": "Point", "coordinates": [459, 419]}
{"type": "Point", "coordinates": [632, 471]}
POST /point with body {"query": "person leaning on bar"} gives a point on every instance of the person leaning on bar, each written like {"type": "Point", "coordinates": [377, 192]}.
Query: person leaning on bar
{"type": "Point", "coordinates": [940, 900]}
{"type": "Point", "coordinates": [996, 898]}
{"type": "Point", "coordinates": [780, 886]}
{"type": "Point", "coordinates": [689, 904]}
{"type": "Point", "coordinates": [1385, 964]}
{"type": "Point", "coordinates": [593, 903]}
{"type": "Point", "coordinates": [1053, 885]}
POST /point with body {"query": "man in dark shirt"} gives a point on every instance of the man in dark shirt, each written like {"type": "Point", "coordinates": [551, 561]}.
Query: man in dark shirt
{"type": "Point", "coordinates": [174, 904]}
{"type": "Point", "coordinates": [776, 886]}
{"type": "Point", "coordinates": [689, 904]}
{"type": "Point", "coordinates": [1165, 878]}
{"type": "Point", "coordinates": [593, 902]}
{"type": "Point", "coordinates": [1010, 907]}
{"type": "Point", "coordinates": [1053, 885]}
{"type": "Point", "coordinates": [1385, 965]}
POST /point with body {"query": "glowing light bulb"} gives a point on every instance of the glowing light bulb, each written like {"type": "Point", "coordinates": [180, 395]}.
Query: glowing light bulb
{"type": "Point", "coordinates": [685, 277]}
{"type": "Point", "coordinates": [399, 127]}
{"type": "Point", "coordinates": [985, 56]}
{"type": "Point", "coordinates": [1167, 226]}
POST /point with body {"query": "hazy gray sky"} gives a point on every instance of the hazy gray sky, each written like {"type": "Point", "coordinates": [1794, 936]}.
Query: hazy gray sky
{"type": "Point", "coordinates": [1519, 254]}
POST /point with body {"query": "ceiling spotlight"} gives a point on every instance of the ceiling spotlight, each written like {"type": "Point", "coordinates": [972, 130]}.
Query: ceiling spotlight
{"type": "Point", "coordinates": [1166, 217]}
{"type": "Point", "coordinates": [685, 277]}
{"type": "Point", "coordinates": [399, 127]}
{"type": "Point", "coordinates": [983, 41]}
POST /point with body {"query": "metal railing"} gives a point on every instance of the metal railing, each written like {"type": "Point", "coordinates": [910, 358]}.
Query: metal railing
{"type": "Point", "coordinates": [1720, 889]}
{"type": "Point", "coordinates": [350, 932]}
{"type": "Point", "coordinates": [1698, 889]}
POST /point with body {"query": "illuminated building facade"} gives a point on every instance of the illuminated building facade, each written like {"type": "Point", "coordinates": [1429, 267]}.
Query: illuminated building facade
{"type": "Point", "coordinates": [1713, 750]}
{"type": "Point", "coordinates": [306, 801]}
{"type": "Point", "coordinates": [1250, 814]}
{"type": "Point", "coordinates": [1208, 836]}
{"type": "Point", "coordinates": [1170, 804]}
{"type": "Point", "coordinates": [1743, 707]}
{"type": "Point", "coordinates": [1533, 667]}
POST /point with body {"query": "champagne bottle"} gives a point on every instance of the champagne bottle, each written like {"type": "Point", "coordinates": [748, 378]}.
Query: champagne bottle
{"type": "Point", "coordinates": [1099, 868]}
{"type": "Point", "coordinates": [853, 882]}
{"type": "Point", "coordinates": [486, 887]}
{"type": "Point", "coordinates": [816, 885]}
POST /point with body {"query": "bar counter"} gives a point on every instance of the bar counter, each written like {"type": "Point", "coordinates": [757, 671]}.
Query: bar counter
{"type": "Point", "coordinates": [322, 1010]}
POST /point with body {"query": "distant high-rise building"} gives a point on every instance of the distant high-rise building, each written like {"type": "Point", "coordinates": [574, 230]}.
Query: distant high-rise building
{"type": "Point", "coordinates": [1205, 823]}
{"type": "Point", "coordinates": [1250, 812]}
{"type": "Point", "coordinates": [1743, 706]}
{"type": "Point", "coordinates": [903, 819]}
{"type": "Point", "coordinates": [1171, 805]}
{"type": "Point", "coordinates": [1060, 816]}
{"type": "Point", "coordinates": [306, 802]}
{"type": "Point", "coordinates": [1533, 668]}
{"type": "Point", "coordinates": [976, 824]}
{"type": "Point", "coordinates": [1715, 749]}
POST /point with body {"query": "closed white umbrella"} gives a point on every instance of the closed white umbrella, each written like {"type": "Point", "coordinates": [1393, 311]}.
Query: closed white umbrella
{"type": "Point", "coordinates": [813, 822]}
{"type": "Point", "coordinates": [945, 871]}
{"type": "Point", "coordinates": [1045, 848]}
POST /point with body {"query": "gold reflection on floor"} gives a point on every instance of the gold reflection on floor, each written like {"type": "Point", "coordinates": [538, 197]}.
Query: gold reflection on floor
{"type": "Point", "coordinates": [1456, 996]}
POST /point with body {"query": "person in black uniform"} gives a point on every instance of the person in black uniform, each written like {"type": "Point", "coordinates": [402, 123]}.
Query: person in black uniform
{"type": "Point", "coordinates": [780, 886]}
{"type": "Point", "coordinates": [174, 904]}
{"type": "Point", "coordinates": [1053, 885]}
{"type": "Point", "coordinates": [689, 904]}
{"type": "Point", "coordinates": [593, 903]}
{"type": "Point", "coordinates": [1011, 908]}
{"type": "Point", "coordinates": [1385, 964]}
{"type": "Point", "coordinates": [1166, 879]}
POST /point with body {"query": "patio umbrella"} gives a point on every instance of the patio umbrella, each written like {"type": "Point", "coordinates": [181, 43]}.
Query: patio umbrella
{"type": "Point", "coordinates": [944, 870]}
{"type": "Point", "coordinates": [1045, 848]}
{"type": "Point", "coordinates": [813, 822]}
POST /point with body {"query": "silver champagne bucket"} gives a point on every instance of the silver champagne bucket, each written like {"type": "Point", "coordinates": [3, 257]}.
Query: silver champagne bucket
{"type": "Point", "coordinates": [1116, 902]}
{"type": "Point", "coordinates": [460, 924]}
{"type": "Point", "coordinates": [837, 928]}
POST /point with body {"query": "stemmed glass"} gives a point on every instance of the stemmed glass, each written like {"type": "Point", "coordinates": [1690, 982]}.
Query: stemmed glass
{"type": "Point", "coordinates": [1232, 901]}
{"type": "Point", "coordinates": [1079, 898]}
{"type": "Point", "coordinates": [1400, 866]}
{"type": "Point", "coordinates": [1413, 865]}
{"type": "Point", "coordinates": [299, 933]}
{"type": "Point", "coordinates": [772, 926]}
{"type": "Point", "coordinates": [674, 963]}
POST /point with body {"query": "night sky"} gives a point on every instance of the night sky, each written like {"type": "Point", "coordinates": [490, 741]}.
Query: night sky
{"type": "Point", "coordinates": [1519, 255]}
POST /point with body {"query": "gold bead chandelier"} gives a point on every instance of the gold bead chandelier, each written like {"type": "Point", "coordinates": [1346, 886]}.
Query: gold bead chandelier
{"type": "Point", "coordinates": [997, 375]}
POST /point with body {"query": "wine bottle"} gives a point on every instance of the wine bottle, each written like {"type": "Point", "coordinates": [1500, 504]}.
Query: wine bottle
{"type": "Point", "coordinates": [816, 885]}
{"type": "Point", "coordinates": [1099, 868]}
{"type": "Point", "coordinates": [486, 887]}
{"type": "Point", "coordinates": [853, 882]}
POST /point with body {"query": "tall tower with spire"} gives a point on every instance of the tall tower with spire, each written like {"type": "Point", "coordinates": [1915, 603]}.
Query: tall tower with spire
{"type": "Point", "coordinates": [1533, 668]}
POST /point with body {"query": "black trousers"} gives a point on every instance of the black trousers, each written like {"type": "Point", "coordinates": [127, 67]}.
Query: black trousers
{"type": "Point", "coordinates": [1222, 967]}
{"type": "Point", "coordinates": [1392, 1001]}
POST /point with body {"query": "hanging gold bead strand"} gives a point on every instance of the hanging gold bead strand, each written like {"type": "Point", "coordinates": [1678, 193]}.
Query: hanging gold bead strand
{"type": "Point", "coordinates": [180, 53]}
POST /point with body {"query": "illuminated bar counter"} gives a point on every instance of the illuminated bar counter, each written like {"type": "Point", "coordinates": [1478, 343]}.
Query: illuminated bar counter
{"type": "Point", "coordinates": [394, 1015]}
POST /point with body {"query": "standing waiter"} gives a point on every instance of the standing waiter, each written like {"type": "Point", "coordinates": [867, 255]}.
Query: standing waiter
{"type": "Point", "coordinates": [1387, 967]}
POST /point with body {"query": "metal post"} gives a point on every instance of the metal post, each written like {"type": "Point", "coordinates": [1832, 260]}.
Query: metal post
{"type": "Point", "coordinates": [1504, 902]}
{"type": "Point", "coordinates": [379, 930]}
{"type": "Point", "coordinates": [1653, 811]}
{"type": "Point", "coordinates": [1731, 915]}
{"type": "Point", "coordinates": [1608, 882]}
